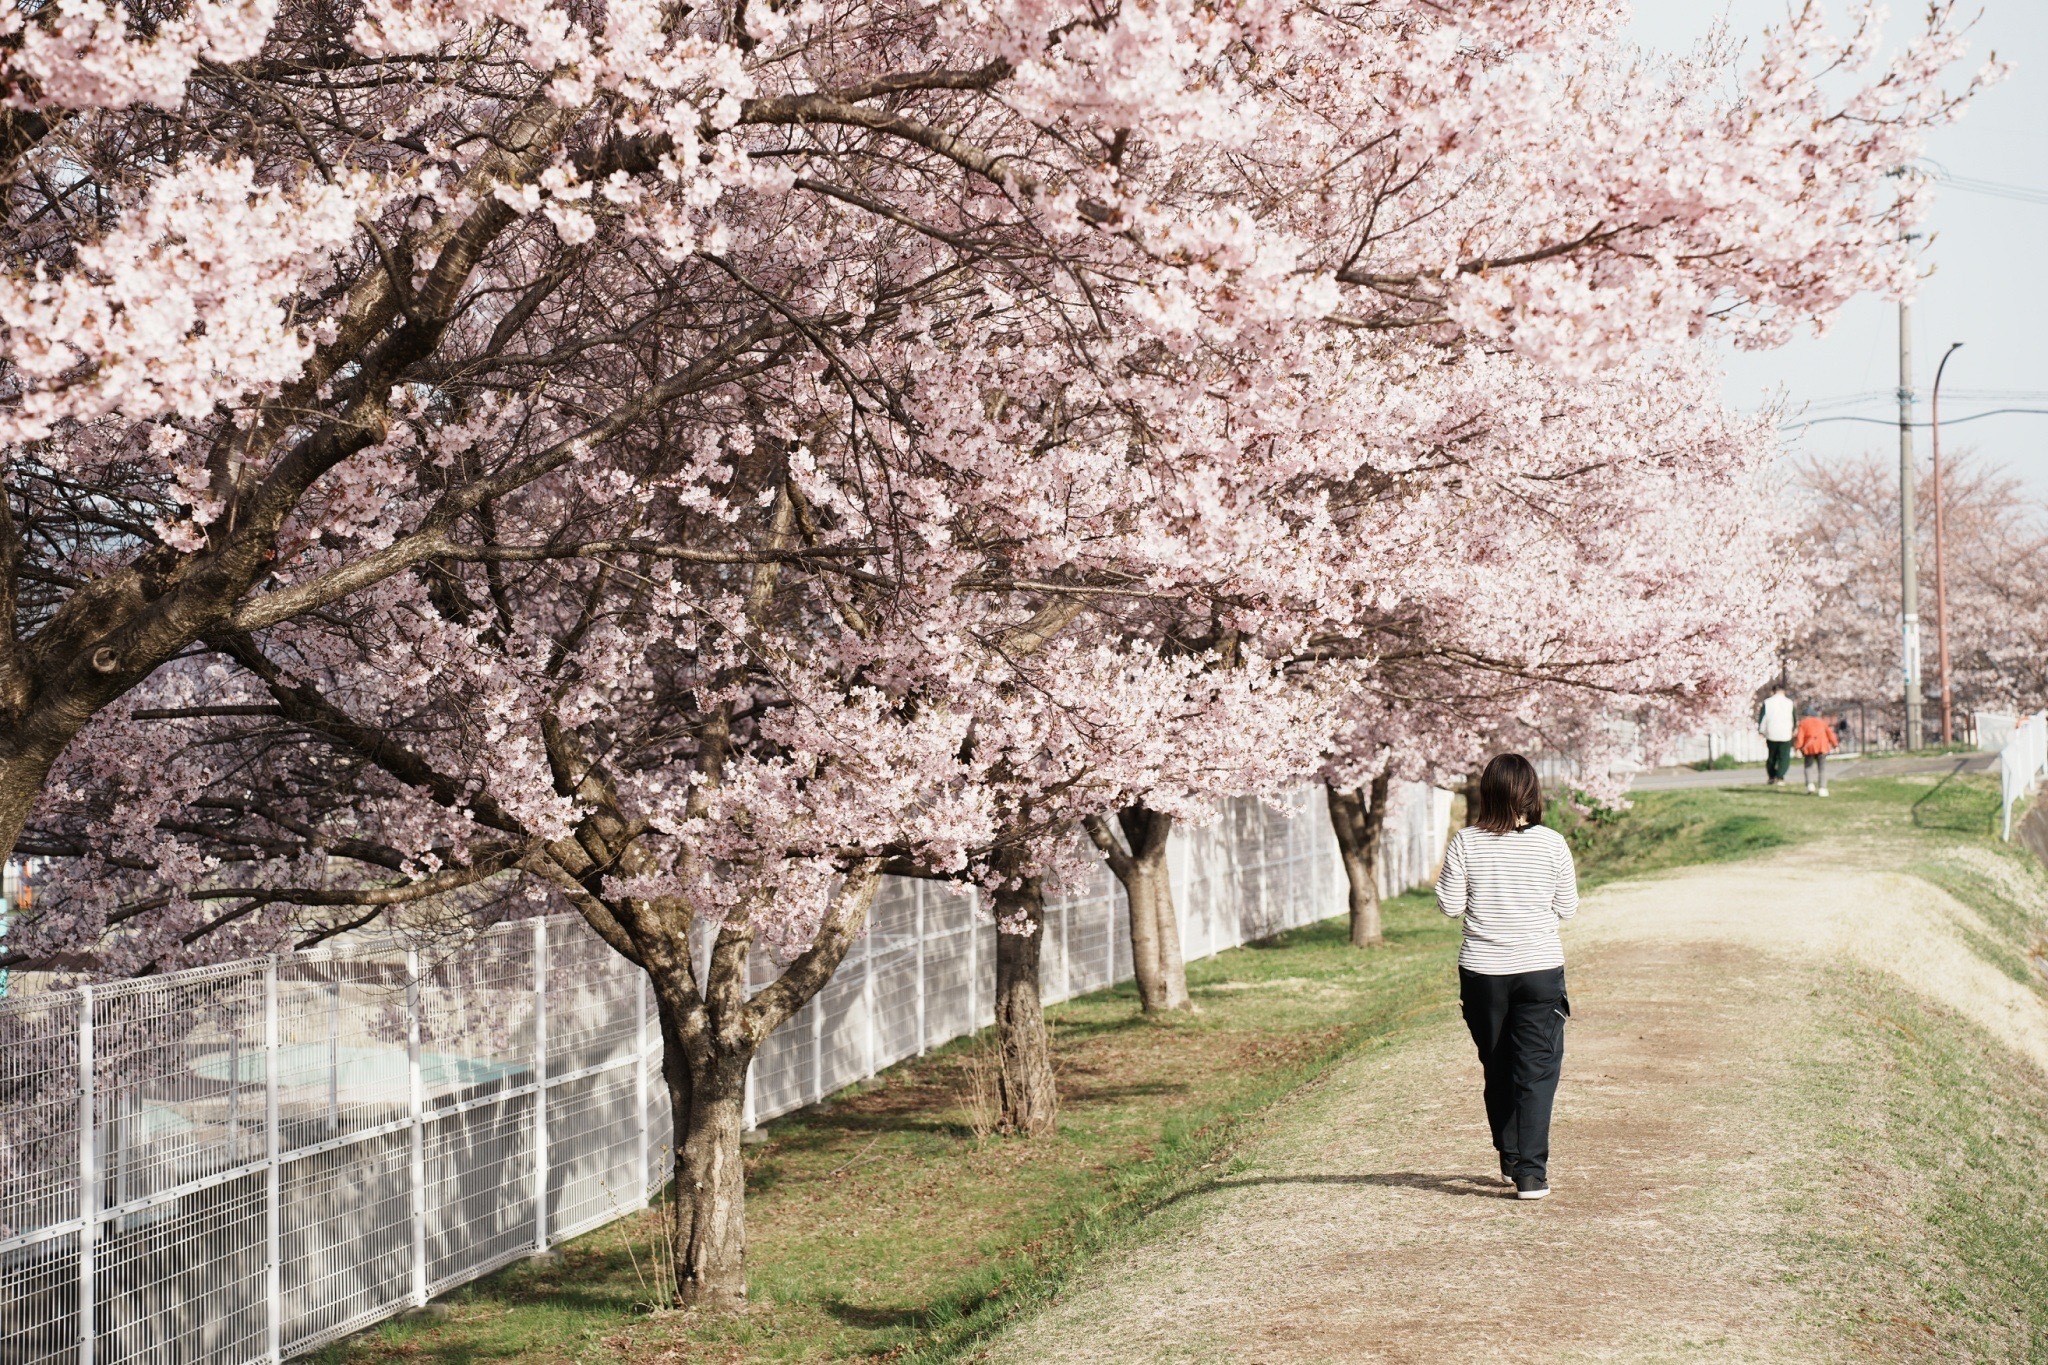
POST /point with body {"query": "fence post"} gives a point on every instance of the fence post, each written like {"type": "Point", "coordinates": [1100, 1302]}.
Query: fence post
{"type": "Point", "coordinates": [88, 1182]}
{"type": "Point", "coordinates": [817, 1008]}
{"type": "Point", "coordinates": [273, 1269]}
{"type": "Point", "coordinates": [540, 1084]}
{"type": "Point", "coordinates": [417, 1100]}
{"type": "Point", "coordinates": [747, 1118]}
{"type": "Point", "coordinates": [973, 966]}
{"type": "Point", "coordinates": [1067, 948]}
{"type": "Point", "coordinates": [333, 1045]}
{"type": "Point", "coordinates": [1109, 940]}
{"type": "Point", "coordinates": [640, 1081]}
{"type": "Point", "coordinates": [872, 1045]}
{"type": "Point", "coordinates": [918, 891]}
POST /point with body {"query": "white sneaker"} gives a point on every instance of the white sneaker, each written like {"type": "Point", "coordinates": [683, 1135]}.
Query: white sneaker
{"type": "Point", "coordinates": [1809, 789]}
{"type": "Point", "coordinates": [1823, 791]}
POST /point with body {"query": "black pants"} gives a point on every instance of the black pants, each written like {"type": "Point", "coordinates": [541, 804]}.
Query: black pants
{"type": "Point", "coordinates": [1777, 758]}
{"type": "Point", "coordinates": [1517, 1021]}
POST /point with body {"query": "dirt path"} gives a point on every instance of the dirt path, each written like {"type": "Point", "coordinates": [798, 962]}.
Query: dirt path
{"type": "Point", "coordinates": [1365, 1226]}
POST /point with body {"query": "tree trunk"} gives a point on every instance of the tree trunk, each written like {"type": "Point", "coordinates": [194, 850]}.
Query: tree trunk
{"type": "Point", "coordinates": [709, 1036]}
{"type": "Point", "coordinates": [1028, 1099]}
{"type": "Point", "coordinates": [707, 1227]}
{"type": "Point", "coordinates": [1138, 859]}
{"type": "Point", "coordinates": [1470, 791]}
{"type": "Point", "coordinates": [22, 779]}
{"type": "Point", "coordinates": [1173, 964]}
{"type": "Point", "coordinates": [1144, 908]}
{"type": "Point", "coordinates": [1360, 818]}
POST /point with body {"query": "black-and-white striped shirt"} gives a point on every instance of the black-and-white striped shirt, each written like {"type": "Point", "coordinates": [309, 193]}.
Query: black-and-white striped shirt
{"type": "Point", "coordinates": [1512, 890]}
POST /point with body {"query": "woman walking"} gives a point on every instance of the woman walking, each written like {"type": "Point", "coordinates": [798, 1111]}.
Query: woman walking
{"type": "Point", "coordinates": [1815, 740]}
{"type": "Point", "coordinates": [1512, 881]}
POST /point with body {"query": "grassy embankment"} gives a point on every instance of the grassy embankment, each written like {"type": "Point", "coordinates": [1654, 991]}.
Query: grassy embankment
{"type": "Point", "coordinates": [1937, 1133]}
{"type": "Point", "coordinates": [1933, 1131]}
{"type": "Point", "coordinates": [880, 1228]}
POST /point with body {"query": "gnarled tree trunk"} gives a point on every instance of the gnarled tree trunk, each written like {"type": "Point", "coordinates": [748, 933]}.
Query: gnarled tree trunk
{"type": "Point", "coordinates": [707, 1224]}
{"type": "Point", "coordinates": [1135, 849]}
{"type": "Point", "coordinates": [1028, 1098]}
{"type": "Point", "coordinates": [1359, 818]}
{"type": "Point", "coordinates": [710, 1031]}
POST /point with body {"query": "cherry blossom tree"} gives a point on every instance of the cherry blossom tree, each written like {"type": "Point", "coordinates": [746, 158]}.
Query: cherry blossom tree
{"type": "Point", "coordinates": [682, 464]}
{"type": "Point", "coordinates": [492, 215]}
{"type": "Point", "coordinates": [1154, 737]}
{"type": "Point", "coordinates": [1573, 587]}
{"type": "Point", "coordinates": [1845, 647]}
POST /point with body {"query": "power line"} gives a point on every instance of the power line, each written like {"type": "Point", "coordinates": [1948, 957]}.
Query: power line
{"type": "Point", "coordinates": [1850, 400]}
{"type": "Point", "coordinates": [2019, 194]}
{"type": "Point", "coordinates": [1893, 421]}
{"type": "Point", "coordinates": [1995, 189]}
{"type": "Point", "coordinates": [1999, 395]}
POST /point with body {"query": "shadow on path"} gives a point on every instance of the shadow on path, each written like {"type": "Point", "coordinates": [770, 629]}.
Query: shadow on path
{"type": "Point", "coordinates": [1473, 1186]}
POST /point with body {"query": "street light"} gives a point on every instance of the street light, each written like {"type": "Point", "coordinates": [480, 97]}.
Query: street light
{"type": "Point", "coordinates": [1948, 717]}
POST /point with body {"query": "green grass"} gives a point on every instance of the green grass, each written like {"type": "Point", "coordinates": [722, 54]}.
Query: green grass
{"type": "Point", "coordinates": [1899, 818]}
{"type": "Point", "coordinates": [1664, 830]}
{"type": "Point", "coordinates": [879, 1228]}
{"type": "Point", "coordinates": [2012, 938]}
{"type": "Point", "coordinates": [1944, 1139]}
{"type": "Point", "coordinates": [1940, 1134]}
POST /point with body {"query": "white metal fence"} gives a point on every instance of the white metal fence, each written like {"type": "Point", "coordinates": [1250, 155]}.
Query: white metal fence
{"type": "Point", "coordinates": [2022, 764]}
{"type": "Point", "coordinates": [243, 1162]}
{"type": "Point", "coordinates": [925, 972]}
{"type": "Point", "coordinates": [1742, 743]}
{"type": "Point", "coordinates": [238, 1162]}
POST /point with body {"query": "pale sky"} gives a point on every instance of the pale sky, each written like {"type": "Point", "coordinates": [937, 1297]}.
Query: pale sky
{"type": "Point", "coordinates": [1988, 285]}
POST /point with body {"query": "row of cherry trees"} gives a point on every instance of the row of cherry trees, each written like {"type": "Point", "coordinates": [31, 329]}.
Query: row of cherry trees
{"type": "Point", "coordinates": [1846, 647]}
{"type": "Point", "coordinates": [683, 463]}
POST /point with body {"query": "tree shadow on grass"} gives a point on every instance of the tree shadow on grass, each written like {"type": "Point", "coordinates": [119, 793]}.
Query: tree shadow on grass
{"type": "Point", "coordinates": [1079, 1091]}
{"type": "Point", "coordinates": [1956, 807]}
{"type": "Point", "coordinates": [872, 1318]}
{"type": "Point", "coordinates": [1067, 1029]}
{"type": "Point", "coordinates": [460, 1353]}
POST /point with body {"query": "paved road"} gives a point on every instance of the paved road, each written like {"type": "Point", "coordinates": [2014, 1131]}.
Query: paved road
{"type": "Point", "coordinates": [1839, 770]}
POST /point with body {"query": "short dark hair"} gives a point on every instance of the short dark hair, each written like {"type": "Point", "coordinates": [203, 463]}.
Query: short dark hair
{"type": "Point", "coordinates": [1509, 795]}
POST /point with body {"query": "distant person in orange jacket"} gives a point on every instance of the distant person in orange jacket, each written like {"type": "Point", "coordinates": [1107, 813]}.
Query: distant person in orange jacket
{"type": "Point", "coordinates": [1815, 739]}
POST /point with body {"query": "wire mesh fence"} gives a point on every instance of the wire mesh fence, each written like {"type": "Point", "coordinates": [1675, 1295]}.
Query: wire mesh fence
{"type": "Point", "coordinates": [243, 1162]}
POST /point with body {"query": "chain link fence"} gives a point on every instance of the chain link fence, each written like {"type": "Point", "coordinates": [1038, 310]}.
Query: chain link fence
{"type": "Point", "coordinates": [241, 1163]}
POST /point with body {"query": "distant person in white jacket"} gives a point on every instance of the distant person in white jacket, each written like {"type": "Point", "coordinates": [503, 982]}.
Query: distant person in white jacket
{"type": "Point", "coordinates": [1776, 722]}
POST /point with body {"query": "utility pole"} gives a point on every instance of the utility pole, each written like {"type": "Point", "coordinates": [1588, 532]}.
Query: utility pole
{"type": "Point", "coordinates": [1909, 582]}
{"type": "Point", "coordinates": [1948, 711]}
